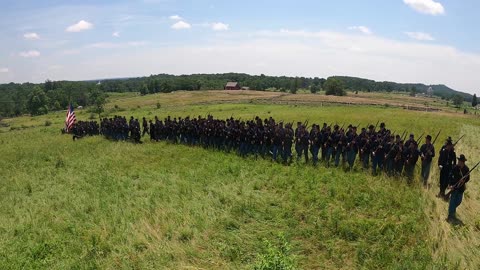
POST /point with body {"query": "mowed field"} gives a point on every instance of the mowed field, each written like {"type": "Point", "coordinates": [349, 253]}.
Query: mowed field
{"type": "Point", "coordinates": [97, 204]}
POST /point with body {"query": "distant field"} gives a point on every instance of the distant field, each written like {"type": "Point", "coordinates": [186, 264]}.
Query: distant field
{"type": "Point", "coordinates": [128, 100]}
{"type": "Point", "coordinates": [93, 203]}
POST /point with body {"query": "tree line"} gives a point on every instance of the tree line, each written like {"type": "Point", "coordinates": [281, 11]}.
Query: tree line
{"type": "Point", "coordinates": [35, 99]}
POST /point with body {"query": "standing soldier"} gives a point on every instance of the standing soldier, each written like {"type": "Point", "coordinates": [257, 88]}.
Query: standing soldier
{"type": "Point", "coordinates": [460, 176]}
{"type": "Point", "coordinates": [298, 138]}
{"type": "Point", "coordinates": [315, 143]}
{"type": "Point", "coordinates": [352, 147]}
{"type": "Point", "coordinates": [427, 152]}
{"type": "Point", "coordinates": [287, 144]}
{"type": "Point", "coordinates": [411, 158]}
{"type": "Point", "coordinates": [446, 161]}
{"type": "Point", "coordinates": [145, 126]}
{"type": "Point", "coordinates": [277, 141]}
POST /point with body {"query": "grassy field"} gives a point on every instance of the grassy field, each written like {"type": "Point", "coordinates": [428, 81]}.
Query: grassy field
{"type": "Point", "coordinates": [96, 204]}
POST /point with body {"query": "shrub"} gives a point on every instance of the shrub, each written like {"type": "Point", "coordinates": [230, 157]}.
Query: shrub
{"type": "Point", "coordinates": [334, 87]}
{"type": "Point", "coordinates": [275, 257]}
{"type": "Point", "coordinates": [48, 123]}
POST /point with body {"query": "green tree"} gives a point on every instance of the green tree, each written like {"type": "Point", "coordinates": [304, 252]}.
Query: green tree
{"type": "Point", "coordinates": [474, 100]}
{"type": "Point", "coordinates": [294, 86]}
{"type": "Point", "coordinates": [413, 91]}
{"type": "Point", "coordinates": [334, 87]}
{"type": "Point", "coordinates": [457, 100]}
{"type": "Point", "coordinates": [166, 87]}
{"type": "Point", "coordinates": [98, 99]}
{"type": "Point", "coordinates": [143, 90]}
{"type": "Point", "coordinates": [37, 102]}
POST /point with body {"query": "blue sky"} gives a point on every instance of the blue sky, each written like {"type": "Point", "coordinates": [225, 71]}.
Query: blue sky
{"type": "Point", "coordinates": [428, 41]}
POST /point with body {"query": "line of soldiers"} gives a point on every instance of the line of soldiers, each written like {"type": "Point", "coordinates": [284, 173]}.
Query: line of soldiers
{"type": "Point", "coordinates": [378, 150]}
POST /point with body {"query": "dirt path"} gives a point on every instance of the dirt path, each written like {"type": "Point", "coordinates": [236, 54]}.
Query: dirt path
{"type": "Point", "coordinates": [459, 245]}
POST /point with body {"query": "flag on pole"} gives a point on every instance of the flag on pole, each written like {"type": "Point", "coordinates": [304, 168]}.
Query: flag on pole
{"type": "Point", "coordinates": [70, 120]}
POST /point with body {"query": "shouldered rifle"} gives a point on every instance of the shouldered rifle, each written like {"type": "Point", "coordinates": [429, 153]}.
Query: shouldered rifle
{"type": "Point", "coordinates": [376, 125]}
{"type": "Point", "coordinates": [420, 138]}
{"type": "Point", "coordinates": [461, 182]}
{"type": "Point", "coordinates": [459, 140]}
{"type": "Point", "coordinates": [436, 137]}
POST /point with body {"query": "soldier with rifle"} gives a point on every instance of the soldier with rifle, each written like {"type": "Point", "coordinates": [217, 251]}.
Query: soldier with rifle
{"type": "Point", "coordinates": [427, 153]}
{"type": "Point", "coordinates": [459, 177]}
{"type": "Point", "coordinates": [446, 162]}
{"type": "Point", "coordinates": [411, 158]}
{"type": "Point", "coordinates": [315, 143]}
{"type": "Point", "coordinates": [352, 147]}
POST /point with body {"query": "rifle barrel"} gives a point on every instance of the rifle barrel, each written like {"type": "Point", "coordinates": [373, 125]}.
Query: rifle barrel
{"type": "Point", "coordinates": [459, 140]}
{"type": "Point", "coordinates": [436, 137]}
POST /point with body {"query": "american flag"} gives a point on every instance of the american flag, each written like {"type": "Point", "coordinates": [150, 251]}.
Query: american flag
{"type": "Point", "coordinates": [70, 120]}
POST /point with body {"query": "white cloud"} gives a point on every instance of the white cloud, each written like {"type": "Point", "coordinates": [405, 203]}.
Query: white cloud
{"type": "Point", "coordinates": [31, 36]}
{"type": "Point", "coordinates": [323, 53]}
{"type": "Point", "coordinates": [175, 18]}
{"type": "Point", "coordinates": [116, 34]}
{"type": "Point", "coordinates": [111, 45]}
{"type": "Point", "coordinates": [29, 54]}
{"type": "Point", "coordinates": [80, 26]}
{"type": "Point", "coordinates": [181, 25]}
{"type": "Point", "coordinates": [420, 36]}
{"type": "Point", "coordinates": [4, 70]}
{"type": "Point", "coordinates": [361, 28]}
{"type": "Point", "coordinates": [220, 26]}
{"type": "Point", "coordinates": [426, 6]}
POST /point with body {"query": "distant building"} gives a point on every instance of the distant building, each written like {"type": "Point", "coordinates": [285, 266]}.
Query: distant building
{"type": "Point", "coordinates": [245, 88]}
{"type": "Point", "coordinates": [232, 86]}
{"type": "Point", "coordinates": [430, 92]}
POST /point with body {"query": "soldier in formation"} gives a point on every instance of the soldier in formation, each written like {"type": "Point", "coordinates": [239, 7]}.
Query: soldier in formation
{"type": "Point", "coordinates": [85, 128]}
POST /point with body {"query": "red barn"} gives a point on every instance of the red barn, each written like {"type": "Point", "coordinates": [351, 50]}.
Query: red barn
{"type": "Point", "coordinates": [232, 86]}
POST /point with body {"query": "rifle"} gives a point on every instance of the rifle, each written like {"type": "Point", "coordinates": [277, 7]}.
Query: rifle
{"type": "Point", "coordinates": [459, 140]}
{"type": "Point", "coordinates": [376, 125]}
{"type": "Point", "coordinates": [436, 137]}
{"type": "Point", "coordinates": [420, 138]}
{"type": "Point", "coordinates": [461, 182]}
{"type": "Point", "coordinates": [305, 123]}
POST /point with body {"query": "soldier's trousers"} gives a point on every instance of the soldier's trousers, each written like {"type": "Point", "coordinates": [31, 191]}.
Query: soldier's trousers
{"type": "Point", "coordinates": [315, 149]}
{"type": "Point", "coordinates": [328, 155]}
{"type": "Point", "coordinates": [301, 149]}
{"type": "Point", "coordinates": [287, 152]}
{"type": "Point", "coordinates": [455, 201]}
{"type": "Point", "coordinates": [376, 162]}
{"type": "Point", "coordinates": [366, 160]}
{"type": "Point", "coordinates": [351, 155]}
{"type": "Point", "coordinates": [338, 154]}
{"type": "Point", "coordinates": [426, 165]}
{"type": "Point", "coordinates": [275, 151]}
{"type": "Point", "coordinates": [389, 166]}
{"type": "Point", "coordinates": [444, 173]}
{"type": "Point", "coordinates": [398, 166]}
{"type": "Point", "coordinates": [409, 170]}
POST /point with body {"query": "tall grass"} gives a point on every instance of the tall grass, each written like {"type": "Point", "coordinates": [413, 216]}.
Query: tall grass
{"type": "Point", "coordinates": [93, 203]}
